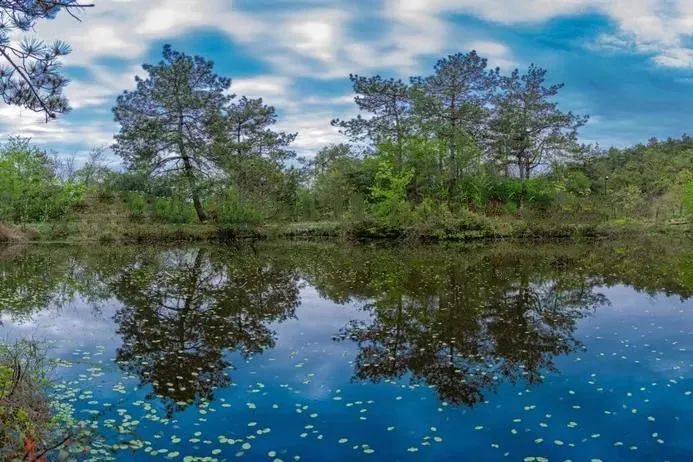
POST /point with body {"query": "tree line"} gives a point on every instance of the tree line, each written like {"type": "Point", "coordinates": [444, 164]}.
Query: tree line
{"type": "Point", "coordinates": [460, 148]}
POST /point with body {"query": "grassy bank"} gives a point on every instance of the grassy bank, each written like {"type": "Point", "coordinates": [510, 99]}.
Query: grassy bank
{"type": "Point", "coordinates": [111, 221]}
{"type": "Point", "coordinates": [132, 232]}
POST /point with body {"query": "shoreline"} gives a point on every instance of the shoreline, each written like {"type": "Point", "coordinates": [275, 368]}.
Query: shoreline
{"type": "Point", "coordinates": [140, 233]}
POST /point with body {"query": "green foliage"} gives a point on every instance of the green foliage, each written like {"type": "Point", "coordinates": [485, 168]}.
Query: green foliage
{"type": "Point", "coordinates": [181, 121]}
{"type": "Point", "coordinates": [461, 150]}
{"type": "Point", "coordinates": [164, 119]}
{"type": "Point", "coordinates": [688, 197]}
{"type": "Point", "coordinates": [389, 192]}
{"type": "Point", "coordinates": [437, 221]}
{"type": "Point", "coordinates": [577, 183]}
{"type": "Point", "coordinates": [30, 190]}
{"type": "Point", "coordinates": [464, 136]}
{"type": "Point", "coordinates": [340, 184]}
{"type": "Point", "coordinates": [234, 211]}
{"type": "Point", "coordinates": [24, 408]}
{"type": "Point", "coordinates": [652, 167]}
{"type": "Point", "coordinates": [35, 81]}
{"type": "Point", "coordinates": [628, 200]}
{"type": "Point", "coordinates": [32, 426]}
{"type": "Point", "coordinates": [172, 210]}
{"type": "Point", "coordinates": [492, 194]}
{"type": "Point", "coordinates": [136, 205]}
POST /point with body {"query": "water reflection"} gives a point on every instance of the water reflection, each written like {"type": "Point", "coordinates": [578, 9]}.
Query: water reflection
{"type": "Point", "coordinates": [462, 320]}
{"type": "Point", "coordinates": [471, 329]}
{"type": "Point", "coordinates": [183, 309]}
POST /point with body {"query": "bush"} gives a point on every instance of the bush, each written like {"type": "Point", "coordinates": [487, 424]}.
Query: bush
{"type": "Point", "coordinates": [30, 190]}
{"type": "Point", "coordinates": [136, 205]}
{"type": "Point", "coordinates": [58, 231]}
{"type": "Point", "coordinates": [24, 407]}
{"type": "Point", "coordinates": [437, 221]}
{"type": "Point", "coordinates": [688, 197]}
{"type": "Point", "coordinates": [172, 210]}
{"type": "Point", "coordinates": [31, 426]}
{"type": "Point", "coordinates": [389, 194]}
{"type": "Point", "coordinates": [485, 192]}
{"type": "Point", "coordinates": [477, 191]}
{"type": "Point", "coordinates": [161, 209]}
{"type": "Point", "coordinates": [234, 211]}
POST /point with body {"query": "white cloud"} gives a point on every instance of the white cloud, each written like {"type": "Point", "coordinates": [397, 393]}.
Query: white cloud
{"type": "Point", "coordinates": [494, 10]}
{"type": "Point", "coordinates": [28, 124]}
{"type": "Point", "coordinates": [498, 54]}
{"type": "Point", "coordinates": [317, 34]}
{"type": "Point", "coordinates": [657, 27]}
{"type": "Point", "coordinates": [272, 89]}
{"type": "Point", "coordinates": [676, 57]}
{"type": "Point", "coordinates": [101, 87]}
{"type": "Point", "coordinates": [320, 42]}
{"type": "Point", "coordinates": [314, 131]}
{"type": "Point", "coordinates": [317, 41]}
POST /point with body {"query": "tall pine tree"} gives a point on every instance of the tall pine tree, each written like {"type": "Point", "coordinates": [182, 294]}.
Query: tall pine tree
{"type": "Point", "coordinates": [166, 123]}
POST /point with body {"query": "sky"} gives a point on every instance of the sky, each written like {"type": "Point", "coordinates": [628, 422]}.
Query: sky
{"type": "Point", "coordinates": [626, 63]}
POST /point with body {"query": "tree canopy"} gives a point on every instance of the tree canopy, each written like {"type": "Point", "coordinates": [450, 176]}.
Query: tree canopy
{"type": "Point", "coordinates": [165, 123]}
{"type": "Point", "coordinates": [181, 119]}
{"type": "Point", "coordinates": [463, 151]}
{"type": "Point", "coordinates": [30, 68]}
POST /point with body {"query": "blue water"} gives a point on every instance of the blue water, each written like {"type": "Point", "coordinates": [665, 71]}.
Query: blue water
{"type": "Point", "coordinates": [612, 383]}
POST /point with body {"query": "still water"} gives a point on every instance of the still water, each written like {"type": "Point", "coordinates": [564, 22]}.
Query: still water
{"type": "Point", "coordinates": [316, 352]}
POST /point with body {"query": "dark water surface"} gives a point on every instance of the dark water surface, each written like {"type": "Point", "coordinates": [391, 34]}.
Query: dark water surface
{"type": "Point", "coordinates": [315, 352]}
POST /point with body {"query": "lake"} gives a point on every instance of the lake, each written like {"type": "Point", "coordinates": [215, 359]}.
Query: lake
{"type": "Point", "coordinates": [287, 351]}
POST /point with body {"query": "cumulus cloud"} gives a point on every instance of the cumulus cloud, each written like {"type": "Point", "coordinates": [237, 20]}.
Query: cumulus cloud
{"type": "Point", "coordinates": [101, 87]}
{"type": "Point", "coordinates": [663, 29]}
{"type": "Point", "coordinates": [323, 41]}
{"type": "Point", "coordinates": [274, 90]}
{"type": "Point", "coordinates": [28, 124]}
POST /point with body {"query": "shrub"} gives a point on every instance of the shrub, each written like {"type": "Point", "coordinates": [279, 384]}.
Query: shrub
{"type": "Point", "coordinates": [32, 428]}
{"type": "Point", "coordinates": [172, 210]}
{"type": "Point", "coordinates": [234, 211]}
{"type": "Point", "coordinates": [136, 205]}
{"type": "Point", "coordinates": [436, 220]}
{"type": "Point", "coordinates": [688, 197]}
{"type": "Point", "coordinates": [24, 407]}
{"type": "Point", "coordinates": [30, 190]}
{"type": "Point", "coordinates": [389, 194]}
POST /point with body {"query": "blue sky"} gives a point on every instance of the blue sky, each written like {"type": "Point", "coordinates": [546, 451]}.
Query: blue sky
{"type": "Point", "coordinates": [627, 63]}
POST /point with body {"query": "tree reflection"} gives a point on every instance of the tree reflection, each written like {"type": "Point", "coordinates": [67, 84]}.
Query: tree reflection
{"type": "Point", "coordinates": [462, 319]}
{"type": "Point", "coordinates": [33, 279]}
{"type": "Point", "coordinates": [184, 309]}
{"type": "Point", "coordinates": [472, 324]}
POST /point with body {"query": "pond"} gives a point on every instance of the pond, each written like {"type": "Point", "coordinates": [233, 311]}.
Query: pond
{"type": "Point", "coordinates": [317, 351]}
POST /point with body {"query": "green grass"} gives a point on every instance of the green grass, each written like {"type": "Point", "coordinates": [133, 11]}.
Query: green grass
{"type": "Point", "coordinates": [74, 232]}
{"type": "Point", "coordinates": [111, 222]}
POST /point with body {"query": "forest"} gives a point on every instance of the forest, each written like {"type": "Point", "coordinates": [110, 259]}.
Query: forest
{"type": "Point", "coordinates": [461, 153]}
{"type": "Point", "coordinates": [464, 152]}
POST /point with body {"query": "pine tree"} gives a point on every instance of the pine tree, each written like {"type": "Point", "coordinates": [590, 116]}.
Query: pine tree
{"type": "Point", "coordinates": [166, 123]}
{"type": "Point", "coordinates": [388, 103]}
{"type": "Point", "coordinates": [528, 128]}
{"type": "Point", "coordinates": [452, 105]}
{"type": "Point", "coordinates": [30, 68]}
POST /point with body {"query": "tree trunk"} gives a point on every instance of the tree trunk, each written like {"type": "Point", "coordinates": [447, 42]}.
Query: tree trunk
{"type": "Point", "coordinates": [522, 170]}
{"type": "Point", "coordinates": [201, 215]}
{"type": "Point", "coordinates": [190, 174]}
